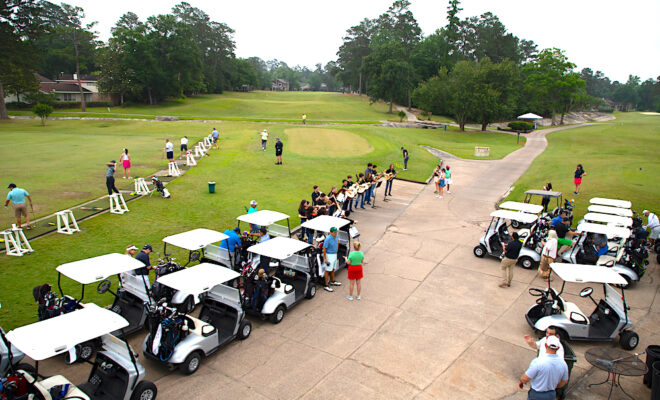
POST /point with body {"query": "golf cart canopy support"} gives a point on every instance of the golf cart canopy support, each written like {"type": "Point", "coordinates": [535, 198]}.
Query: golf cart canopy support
{"type": "Point", "coordinates": [609, 219]}
{"type": "Point", "coordinates": [610, 231]}
{"type": "Point", "coordinates": [587, 273]}
{"type": "Point", "coordinates": [50, 337]}
{"type": "Point", "coordinates": [622, 212]}
{"type": "Point", "coordinates": [280, 248]}
{"type": "Point", "coordinates": [610, 202]}
{"type": "Point", "coordinates": [323, 223]}
{"type": "Point", "coordinates": [96, 269]}
{"type": "Point", "coordinates": [198, 279]}
{"type": "Point", "coordinates": [195, 239]}
{"type": "Point", "coordinates": [524, 207]}
{"type": "Point", "coordinates": [513, 215]}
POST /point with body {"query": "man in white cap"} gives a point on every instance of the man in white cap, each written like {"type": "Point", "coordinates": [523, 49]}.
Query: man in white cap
{"type": "Point", "coordinates": [540, 344]}
{"type": "Point", "coordinates": [253, 209]}
{"type": "Point", "coordinates": [546, 374]}
{"type": "Point", "coordinates": [653, 224]}
{"type": "Point", "coordinates": [264, 139]}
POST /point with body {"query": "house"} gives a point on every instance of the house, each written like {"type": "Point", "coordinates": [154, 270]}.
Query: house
{"type": "Point", "coordinates": [65, 88]}
{"type": "Point", "coordinates": [280, 85]}
{"type": "Point", "coordinates": [305, 87]}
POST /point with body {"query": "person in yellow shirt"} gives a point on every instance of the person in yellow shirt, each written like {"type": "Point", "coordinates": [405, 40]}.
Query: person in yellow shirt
{"type": "Point", "coordinates": [304, 119]}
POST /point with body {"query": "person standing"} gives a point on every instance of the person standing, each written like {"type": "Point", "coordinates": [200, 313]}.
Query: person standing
{"type": "Point", "coordinates": [405, 158]}
{"type": "Point", "coordinates": [579, 173]}
{"type": "Point", "coordinates": [215, 135]}
{"type": "Point", "coordinates": [545, 201]}
{"type": "Point", "coordinates": [278, 151]}
{"type": "Point", "coordinates": [169, 150]}
{"type": "Point", "coordinates": [388, 184]}
{"type": "Point", "coordinates": [448, 180]}
{"type": "Point", "coordinates": [304, 119]}
{"type": "Point", "coordinates": [144, 257]}
{"type": "Point", "coordinates": [652, 223]}
{"type": "Point", "coordinates": [546, 374]}
{"type": "Point", "coordinates": [110, 177]}
{"type": "Point", "coordinates": [264, 139]}
{"type": "Point", "coordinates": [540, 344]}
{"type": "Point", "coordinates": [511, 253]}
{"type": "Point", "coordinates": [355, 274]}
{"type": "Point", "coordinates": [131, 250]}
{"type": "Point", "coordinates": [330, 248]}
{"type": "Point", "coordinates": [441, 182]}
{"type": "Point", "coordinates": [548, 255]}
{"type": "Point", "coordinates": [126, 163]}
{"type": "Point", "coordinates": [17, 196]}
{"type": "Point", "coordinates": [253, 209]}
{"type": "Point", "coordinates": [184, 146]}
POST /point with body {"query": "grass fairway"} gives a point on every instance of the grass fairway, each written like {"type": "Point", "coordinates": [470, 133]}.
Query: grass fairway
{"type": "Point", "coordinates": [242, 171]}
{"type": "Point", "coordinates": [620, 158]}
{"type": "Point", "coordinates": [326, 142]}
{"type": "Point", "coordinates": [252, 106]}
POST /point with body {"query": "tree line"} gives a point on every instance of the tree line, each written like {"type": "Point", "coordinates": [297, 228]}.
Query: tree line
{"type": "Point", "coordinates": [474, 70]}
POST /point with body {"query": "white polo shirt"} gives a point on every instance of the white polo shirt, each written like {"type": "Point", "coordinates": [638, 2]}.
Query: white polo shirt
{"type": "Point", "coordinates": [184, 140]}
{"type": "Point", "coordinates": [550, 248]}
{"type": "Point", "coordinates": [169, 146]}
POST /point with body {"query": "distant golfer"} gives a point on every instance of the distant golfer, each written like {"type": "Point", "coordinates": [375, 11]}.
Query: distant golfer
{"type": "Point", "coordinates": [110, 177]}
{"type": "Point", "coordinates": [184, 146]}
{"type": "Point", "coordinates": [264, 139]}
{"type": "Point", "coordinates": [304, 119]}
{"type": "Point", "coordinates": [126, 163]}
{"type": "Point", "coordinates": [215, 134]}
{"type": "Point", "coordinates": [169, 150]}
{"type": "Point", "coordinates": [579, 173]}
{"type": "Point", "coordinates": [278, 151]}
{"type": "Point", "coordinates": [17, 196]}
{"type": "Point", "coordinates": [405, 158]}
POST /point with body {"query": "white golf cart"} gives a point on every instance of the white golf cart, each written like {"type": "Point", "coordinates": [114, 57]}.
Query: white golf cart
{"type": "Point", "coordinates": [622, 212]}
{"type": "Point", "coordinates": [497, 234]}
{"type": "Point", "coordinates": [606, 322]}
{"type": "Point", "coordinates": [611, 202]}
{"type": "Point", "coordinates": [268, 219]}
{"type": "Point", "coordinates": [607, 219]}
{"type": "Point", "coordinates": [181, 340]}
{"type": "Point", "coordinates": [321, 225]}
{"type": "Point", "coordinates": [521, 207]}
{"type": "Point", "coordinates": [561, 204]}
{"type": "Point", "coordinates": [195, 241]}
{"type": "Point", "coordinates": [10, 356]}
{"type": "Point", "coordinates": [115, 374]}
{"type": "Point", "coordinates": [290, 272]}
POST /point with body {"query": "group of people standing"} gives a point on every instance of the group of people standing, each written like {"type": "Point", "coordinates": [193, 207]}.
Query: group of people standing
{"type": "Point", "coordinates": [442, 179]}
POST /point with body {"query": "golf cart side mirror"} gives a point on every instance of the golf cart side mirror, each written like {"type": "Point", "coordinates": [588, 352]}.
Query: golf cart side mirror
{"type": "Point", "coordinates": [586, 292]}
{"type": "Point", "coordinates": [103, 286]}
{"type": "Point", "coordinates": [207, 330]}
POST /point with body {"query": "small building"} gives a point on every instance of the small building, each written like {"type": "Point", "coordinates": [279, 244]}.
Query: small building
{"type": "Point", "coordinates": [280, 85]}
{"type": "Point", "coordinates": [65, 88]}
{"type": "Point", "coordinates": [305, 87]}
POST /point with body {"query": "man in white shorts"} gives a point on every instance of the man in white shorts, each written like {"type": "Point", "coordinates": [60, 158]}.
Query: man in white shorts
{"type": "Point", "coordinates": [653, 224]}
{"type": "Point", "coordinates": [330, 248]}
{"type": "Point", "coordinates": [264, 139]}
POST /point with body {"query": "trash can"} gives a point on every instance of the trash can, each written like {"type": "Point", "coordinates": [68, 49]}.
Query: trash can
{"type": "Point", "coordinates": [211, 187]}
{"type": "Point", "coordinates": [652, 355]}
{"type": "Point", "coordinates": [570, 358]}
{"type": "Point", "coordinates": [655, 387]}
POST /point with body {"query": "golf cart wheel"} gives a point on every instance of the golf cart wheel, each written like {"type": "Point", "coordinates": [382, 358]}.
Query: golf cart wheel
{"type": "Point", "coordinates": [515, 224]}
{"type": "Point", "coordinates": [628, 282]}
{"type": "Point", "coordinates": [84, 351]}
{"type": "Point", "coordinates": [144, 390]}
{"type": "Point", "coordinates": [480, 251]}
{"type": "Point", "coordinates": [628, 340]}
{"type": "Point", "coordinates": [526, 262]}
{"type": "Point", "coordinates": [244, 329]}
{"type": "Point", "coordinates": [311, 291]}
{"type": "Point", "coordinates": [191, 364]}
{"type": "Point", "coordinates": [278, 315]}
{"type": "Point", "coordinates": [27, 368]}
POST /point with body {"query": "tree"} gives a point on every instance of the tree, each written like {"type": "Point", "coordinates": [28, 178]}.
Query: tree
{"type": "Point", "coordinates": [43, 111]}
{"type": "Point", "coordinates": [389, 73]}
{"type": "Point", "coordinates": [351, 54]}
{"type": "Point", "coordinates": [451, 32]}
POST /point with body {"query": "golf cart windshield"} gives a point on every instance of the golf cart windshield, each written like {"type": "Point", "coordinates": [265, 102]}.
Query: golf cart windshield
{"type": "Point", "coordinates": [268, 219]}
{"type": "Point", "coordinates": [195, 239]}
{"type": "Point", "coordinates": [524, 207]}
{"type": "Point", "coordinates": [279, 248]}
{"type": "Point", "coordinates": [609, 219]}
{"type": "Point", "coordinates": [198, 279]}
{"type": "Point", "coordinates": [323, 223]}
{"type": "Point", "coordinates": [99, 268]}
{"type": "Point", "coordinates": [622, 212]}
{"type": "Point", "coordinates": [610, 231]}
{"type": "Point", "coordinates": [48, 338]}
{"type": "Point", "coordinates": [587, 273]}
{"type": "Point", "coordinates": [513, 215]}
{"type": "Point", "coordinates": [610, 202]}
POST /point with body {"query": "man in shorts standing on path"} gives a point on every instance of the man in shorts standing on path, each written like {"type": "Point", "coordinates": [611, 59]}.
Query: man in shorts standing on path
{"type": "Point", "coordinates": [17, 196]}
{"type": "Point", "coordinates": [405, 158]}
{"type": "Point", "coordinates": [330, 248]}
{"type": "Point", "coordinates": [184, 145]}
{"type": "Point", "coordinates": [546, 374]}
{"type": "Point", "coordinates": [278, 151]}
{"type": "Point", "coordinates": [215, 134]}
{"type": "Point", "coordinates": [653, 224]}
{"type": "Point", "coordinates": [264, 139]}
{"type": "Point", "coordinates": [169, 150]}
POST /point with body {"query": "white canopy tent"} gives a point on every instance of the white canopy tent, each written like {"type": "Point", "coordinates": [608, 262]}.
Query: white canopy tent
{"type": "Point", "coordinates": [530, 116]}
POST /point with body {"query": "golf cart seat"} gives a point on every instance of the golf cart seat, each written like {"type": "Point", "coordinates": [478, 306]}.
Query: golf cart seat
{"type": "Point", "coordinates": [572, 309]}
{"type": "Point", "coordinates": [135, 285]}
{"type": "Point", "coordinates": [218, 255]}
{"type": "Point", "coordinates": [45, 385]}
{"type": "Point", "coordinates": [278, 230]}
{"type": "Point", "coordinates": [200, 327]}
{"type": "Point", "coordinates": [277, 285]}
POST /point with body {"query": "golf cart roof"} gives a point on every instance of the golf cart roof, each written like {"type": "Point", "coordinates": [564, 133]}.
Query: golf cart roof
{"type": "Point", "coordinates": [609, 219]}
{"type": "Point", "coordinates": [323, 223]}
{"type": "Point", "coordinates": [623, 212]}
{"type": "Point", "coordinates": [514, 216]}
{"type": "Point", "coordinates": [524, 207]}
{"type": "Point", "coordinates": [195, 239]}
{"type": "Point", "coordinates": [50, 337]}
{"type": "Point", "coordinates": [609, 230]}
{"type": "Point", "coordinates": [548, 193]}
{"type": "Point", "coordinates": [280, 248]}
{"type": "Point", "coordinates": [198, 279]}
{"type": "Point", "coordinates": [587, 273]}
{"type": "Point", "coordinates": [263, 217]}
{"type": "Point", "coordinates": [96, 269]}
{"type": "Point", "coordinates": [611, 202]}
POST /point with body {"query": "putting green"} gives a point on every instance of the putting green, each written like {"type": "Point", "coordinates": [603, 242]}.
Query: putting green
{"type": "Point", "coordinates": [326, 142]}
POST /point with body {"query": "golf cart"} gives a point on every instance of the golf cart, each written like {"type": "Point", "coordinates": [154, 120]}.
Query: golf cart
{"type": "Point", "coordinates": [195, 241]}
{"type": "Point", "coordinates": [608, 219]}
{"type": "Point", "coordinates": [611, 202]}
{"type": "Point", "coordinates": [10, 356]}
{"type": "Point", "coordinates": [497, 234]}
{"type": "Point", "coordinates": [268, 219]}
{"type": "Point", "coordinates": [609, 319]}
{"type": "Point", "coordinates": [322, 224]}
{"type": "Point", "coordinates": [177, 339]}
{"type": "Point", "coordinates": [115, 373]}
{"type": "Point", "coordinates": [290, 271]}
{"type": "Point", "coordinates": [521, 207]}
{"type": "Point", "coordinates": [622, 212]}
{"type": "Point", "coordinates": [561, 204]}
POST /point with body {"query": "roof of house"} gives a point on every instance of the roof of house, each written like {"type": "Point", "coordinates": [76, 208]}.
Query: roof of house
{"type": "Point", "coordinates": [280, 80]}
{"type": "Point", "coordinates": [60, 87]}
{"type": "Point", "coordinates": [69, 77]}
{"type": "Point", "coordinates": [41, 78]}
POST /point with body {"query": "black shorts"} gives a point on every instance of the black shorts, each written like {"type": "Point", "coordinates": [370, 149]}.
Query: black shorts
{"type": "Point", "coordinates": [184, 147]}
{"type": "Point", "coordinates": [278, 153]}
{"type": "Point", "coordinates": [215, 139]}
{"type": "Point", "coordinates": [170, 154]}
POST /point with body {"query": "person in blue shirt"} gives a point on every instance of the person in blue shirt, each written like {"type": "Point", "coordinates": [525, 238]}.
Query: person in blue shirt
{"type": "Point", "coordinates": [144, 257]}
{"type": "Point", "coordinates": [17, 196]}
{"type": "Point", "coordinates": [330, 248]}
{"type": "Point", "coordinates": [233, 243]}
{"type": "Point", "coordinates": [558, 218]}
{"type": "Point", "coordinates": [253, 209]}
{"type": "Point", "coordinates": [546, 374]}
{"type": "Point", "coordinates": [215, 135]}
{"type": "Point", "coordinates": [278, 151]}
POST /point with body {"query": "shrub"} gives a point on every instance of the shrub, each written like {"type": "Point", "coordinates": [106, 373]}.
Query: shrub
{"type": "Point", "coordinates": [43, 111]}
{"type": "Point", "coordinates": [18, 105]}
{"type": "Point", "coordinates": [604, 108]}
{"type": "Point", "coordinates": [520, 126]}
{"type": "Point", "coordinates": [402, 115]}
{"type": "Point", "coordinates": [40, 98]}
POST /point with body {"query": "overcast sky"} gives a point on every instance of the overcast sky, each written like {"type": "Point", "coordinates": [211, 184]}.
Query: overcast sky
{"type": "Point", "coordinates": [616, 37]}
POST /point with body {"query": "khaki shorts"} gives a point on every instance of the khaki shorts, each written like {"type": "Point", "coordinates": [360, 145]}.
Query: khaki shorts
{"type": "Point", "coordinates": [20, 209]}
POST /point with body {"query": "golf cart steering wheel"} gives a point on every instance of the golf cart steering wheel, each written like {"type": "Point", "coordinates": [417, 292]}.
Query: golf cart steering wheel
{"type": "Point", "coordinates": [103, 286]}
{"type": "Point", "coordinates": [536, 292]}
{"type": "Point", "coordinates": [195, 256]}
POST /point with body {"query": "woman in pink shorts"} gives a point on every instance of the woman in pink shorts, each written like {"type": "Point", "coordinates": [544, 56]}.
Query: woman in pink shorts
{"type": "Point", "coordinates": [126, 163]}
{"type": "Point", "coordinates": [579, 173]}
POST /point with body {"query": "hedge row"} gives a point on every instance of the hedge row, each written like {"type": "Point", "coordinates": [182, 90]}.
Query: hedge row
{"type": "Point", "coordinates": [19, 105]}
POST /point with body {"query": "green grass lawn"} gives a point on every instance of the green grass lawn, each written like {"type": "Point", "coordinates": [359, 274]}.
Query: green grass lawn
{"type": "Point", "coordinates": [255, 106]}
{"type": "Point", "coordinates": [242, 171]}
{"type": "Point", "coordinates": [620, 158]}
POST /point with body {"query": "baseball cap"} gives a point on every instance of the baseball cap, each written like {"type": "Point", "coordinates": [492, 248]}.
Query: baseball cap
{"type": "Point", "coordinates": [147, 247]}
{"type": "Point", "coordinates": [131, 247]}
{"type": "Point", "coordinates": [333, 229]}
{"type": "Point", "coordinates": [237, 230]}
{"type": "Point", "coordinates": [643, 212]}
{"type": "Point", "coordinates": [113, 161]}
{"type": "Point", "coordinates": [553, 342]}
{"type": "Point", "coordinates": [253, 203]}
{"type": "Point", "coordinates": [13, 185]}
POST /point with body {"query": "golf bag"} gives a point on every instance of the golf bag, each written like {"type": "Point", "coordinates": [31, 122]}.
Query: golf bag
{"type": "Point", "coordinates": [49, 305]}
{"type": "Point", "coordinates": [160, 188]}
{"type": "Point", "coordinates": [163, 292]}
{"type": "Point", "coordinates": [166, 329]}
